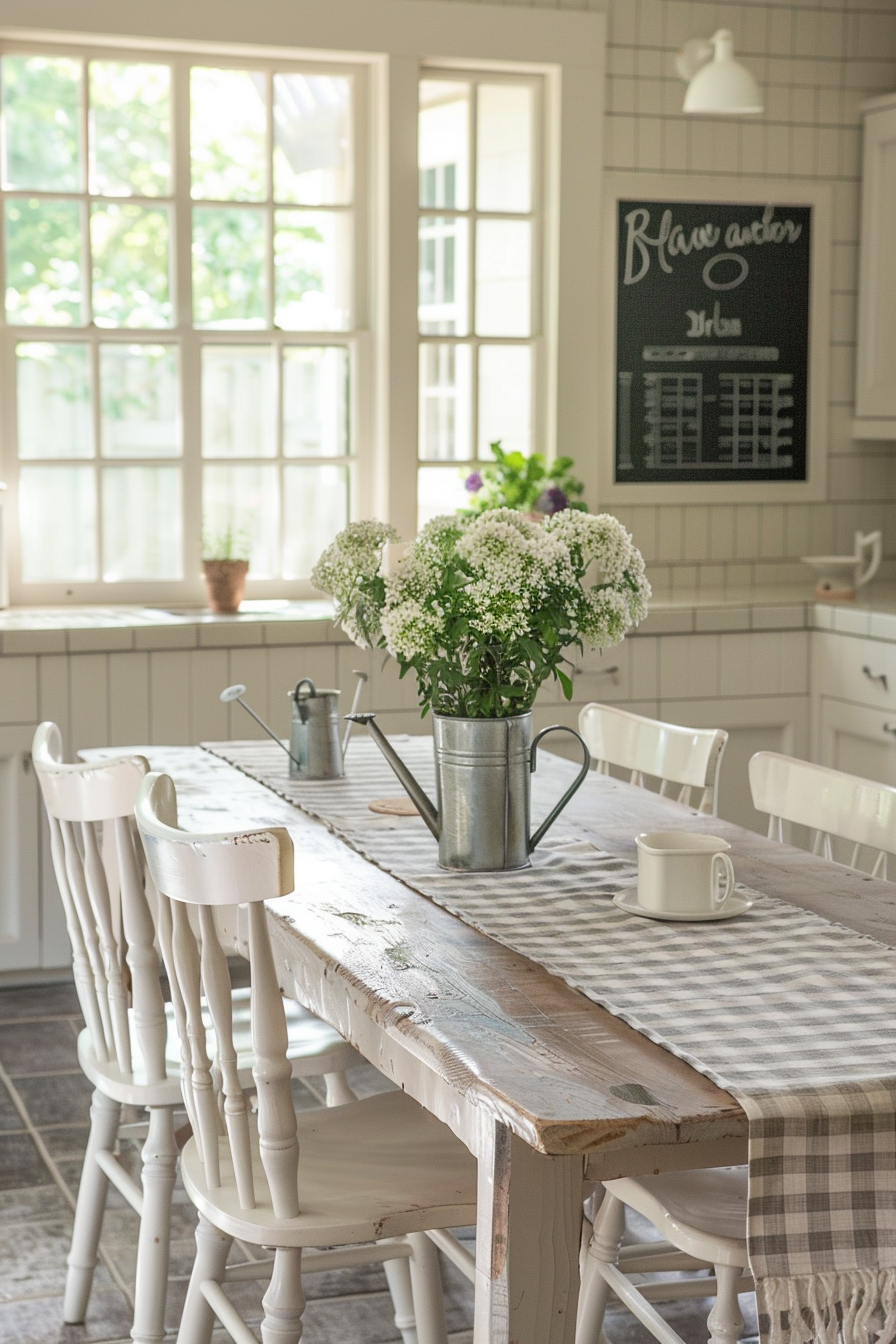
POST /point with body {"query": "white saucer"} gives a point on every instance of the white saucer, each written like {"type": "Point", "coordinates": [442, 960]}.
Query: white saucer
{"type": "Point", "coordinates": [736, 904]}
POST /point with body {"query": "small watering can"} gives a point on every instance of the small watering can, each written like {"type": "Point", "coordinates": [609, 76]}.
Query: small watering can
{"type": "Point", "coordinates": [314, 750]}
{"type": "Point", "coordinates": [483, 771]}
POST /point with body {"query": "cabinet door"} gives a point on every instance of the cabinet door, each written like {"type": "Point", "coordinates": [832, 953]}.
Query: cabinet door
{"type": "Point", "coordinates": [762, 723]}
{"type": "Point", "coordinates": [19, 892]}
{"type": "Point", "coordinates": [857, 740]}
{"type": "Point", "coordinates": [876, 348]}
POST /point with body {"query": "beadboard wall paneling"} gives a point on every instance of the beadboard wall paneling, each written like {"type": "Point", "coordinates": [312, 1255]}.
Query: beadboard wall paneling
{"type": "Point", "coordinates": [817, 61]}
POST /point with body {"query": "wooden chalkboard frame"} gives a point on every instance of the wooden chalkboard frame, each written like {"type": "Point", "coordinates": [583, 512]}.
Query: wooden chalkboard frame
{"type": "Point", "coordinates": [720, 190]}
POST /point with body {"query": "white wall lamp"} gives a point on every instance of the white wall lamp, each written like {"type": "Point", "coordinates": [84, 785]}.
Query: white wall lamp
{"type": "Point", "coordinates": [718, 85]}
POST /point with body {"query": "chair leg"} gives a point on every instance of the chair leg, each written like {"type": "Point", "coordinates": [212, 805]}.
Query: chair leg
{"type": "Point", "coordinates": [725, 1320]}
{"type": "Point", "coordinates": [212, 1250]}
{"type": "Point", "coordinates": [284, 1301]}
{"type": "Point", "coordinates": [426, 1282]}
{"type": "Point", "coordinates": [104, 1119]}
{"type": "Point", "coordinates": [150, 1289]}
{"type": "Point", "coordinates": [398, 1275]}
{"type": "Point", "coordinates": [338, 1091]}
{"type": "Point", "coordinates": [609, 1225]}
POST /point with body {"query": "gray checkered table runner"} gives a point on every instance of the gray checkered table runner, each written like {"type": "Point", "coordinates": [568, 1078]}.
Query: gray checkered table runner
{"type": "Point", "coordinates": [794, 1015]}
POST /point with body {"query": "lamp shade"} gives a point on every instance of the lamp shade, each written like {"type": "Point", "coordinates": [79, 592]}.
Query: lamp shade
{"type": "Point", "coordinates": [723, 87]}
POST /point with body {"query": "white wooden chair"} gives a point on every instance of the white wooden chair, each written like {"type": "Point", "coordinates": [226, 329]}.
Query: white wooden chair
{"type": "Point", "coordinates": [681, 758]}
{"type": "Point", "coordinates": [703, 1218]}
{"type": "Point", "coordinates": [832, 804]}
{"type": "Point", "coordinates": [378, 1170]}
{"type": "Point", "coordinates": [125, 1049]}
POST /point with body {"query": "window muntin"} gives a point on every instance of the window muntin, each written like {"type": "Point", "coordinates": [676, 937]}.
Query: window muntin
{"type": "Point", "coordinates": [93, 245]}
{"type": "Point", "coordinates": [480, 234]}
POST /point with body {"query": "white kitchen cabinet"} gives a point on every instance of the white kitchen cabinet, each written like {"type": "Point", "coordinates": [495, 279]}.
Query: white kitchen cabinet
{"type": "Point", "coordinates": [21, 913]}
{"type": "Point", "coordinates": [876, 334]}
{"type": "Point", "coordinates": [858, 739]}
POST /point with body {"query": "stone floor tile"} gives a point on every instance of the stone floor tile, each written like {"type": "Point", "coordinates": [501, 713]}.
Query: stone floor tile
{"type": "Point", "coordinates": [39, 1321]}
{"type": "Point", "coordinates": [9, 1114]}
{"type": "Point", "coordinates": [58, 1099]}
{"type": "Point", "coordinates": [34, 1260]}
{"type": "Point", "coordinates": [66, 1140]}
{"type": "Point", "coordinates": [34, 1205]}
{"type": "Point", "coordinates": [56, 1000]}
{"type": "Point", "coordinates": [21, 1164]}
{"type": "Point", "coordinates": [37, 1047]}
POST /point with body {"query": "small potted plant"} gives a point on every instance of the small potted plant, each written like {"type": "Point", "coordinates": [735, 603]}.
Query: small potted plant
{"type": "Point", "coordinates": [536, 487]}
{"type": "Point", "coordinates": [225, 564]}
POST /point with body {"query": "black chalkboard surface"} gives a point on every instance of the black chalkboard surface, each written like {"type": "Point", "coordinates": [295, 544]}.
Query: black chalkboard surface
{"type": "Point", "coordinates": [712, 341]}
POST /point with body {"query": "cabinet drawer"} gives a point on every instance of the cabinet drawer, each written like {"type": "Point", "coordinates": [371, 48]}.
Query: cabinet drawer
{"type": "Point", "coordinates": [858, 740]}
{"type": "Point", "coordinates": [860, 670]}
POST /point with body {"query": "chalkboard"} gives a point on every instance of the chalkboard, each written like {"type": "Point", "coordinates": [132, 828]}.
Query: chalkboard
{"type": "Point", "coordinates": [712, 341]}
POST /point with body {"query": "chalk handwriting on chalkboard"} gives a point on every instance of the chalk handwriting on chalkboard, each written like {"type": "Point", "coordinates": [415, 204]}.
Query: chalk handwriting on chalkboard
{"type": "Point", "coordinates": [673, 240]}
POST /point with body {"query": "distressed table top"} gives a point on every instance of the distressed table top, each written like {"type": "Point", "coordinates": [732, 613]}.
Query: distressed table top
{"type": "Point", "coordinates": [468, 1026]}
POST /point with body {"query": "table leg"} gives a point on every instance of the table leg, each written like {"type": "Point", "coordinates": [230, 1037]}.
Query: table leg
{"type": "Point", "coordinates": [527, 1242]}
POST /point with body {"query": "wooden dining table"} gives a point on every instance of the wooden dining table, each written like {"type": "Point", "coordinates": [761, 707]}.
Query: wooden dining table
{"type": "Point", "coordinates": [548, 1090]}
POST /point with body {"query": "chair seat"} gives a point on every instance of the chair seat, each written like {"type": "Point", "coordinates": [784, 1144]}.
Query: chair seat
{"type": "Point", "coordinates": [314, 1048]}
{"type": "Point", "coordinates": [380, 1167]}
{"type": "Point", "coordinates": [701, 1212]}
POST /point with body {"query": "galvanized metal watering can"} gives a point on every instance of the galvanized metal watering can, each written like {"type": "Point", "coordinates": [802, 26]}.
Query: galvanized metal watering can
{"type": "Point", "coordinates": [314, 750]}
{"type": "Point", "coordinates": [483, 772]}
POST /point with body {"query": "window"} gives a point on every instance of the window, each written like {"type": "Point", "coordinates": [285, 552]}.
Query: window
{"type": "Point", "coordinates": [181, 278]}
{"type": "Point", "coordinates": [481, 237]}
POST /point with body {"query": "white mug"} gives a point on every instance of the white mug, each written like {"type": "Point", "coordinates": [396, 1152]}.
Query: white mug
{"type": "Point", "coordinates": [679, 873]}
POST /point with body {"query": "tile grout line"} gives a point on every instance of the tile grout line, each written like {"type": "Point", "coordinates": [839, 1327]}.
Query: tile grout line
{"type": "Point", "coordinates": [56, 1174]}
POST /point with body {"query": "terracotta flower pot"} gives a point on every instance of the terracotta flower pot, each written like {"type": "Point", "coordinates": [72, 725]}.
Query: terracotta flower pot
{"type": "Point", "coordinates": [225, 582]}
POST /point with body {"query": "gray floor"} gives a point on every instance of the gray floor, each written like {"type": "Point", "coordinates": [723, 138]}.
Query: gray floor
{"type": "Point", "coordinates": [44, 1102]}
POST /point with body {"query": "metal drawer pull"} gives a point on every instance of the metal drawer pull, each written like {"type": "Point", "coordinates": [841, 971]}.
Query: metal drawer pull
{"type": "Point", "coordinates": [890, 728]}
{"type": "Point", "coordinates": [600, 672]}
{"type": "Point", "coordinates": [881, 677]}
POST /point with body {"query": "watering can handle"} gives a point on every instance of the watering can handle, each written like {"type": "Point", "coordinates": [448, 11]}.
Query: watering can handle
{"type": "Point", "coordinates": [576, 784]}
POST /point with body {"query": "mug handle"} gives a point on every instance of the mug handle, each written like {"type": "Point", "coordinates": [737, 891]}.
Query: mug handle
{"type": "Point", "coordinates": [719, 902]}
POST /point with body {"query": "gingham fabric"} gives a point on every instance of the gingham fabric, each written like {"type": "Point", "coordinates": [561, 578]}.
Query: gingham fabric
{"type": "Point", "coordinates": [794, 1015]}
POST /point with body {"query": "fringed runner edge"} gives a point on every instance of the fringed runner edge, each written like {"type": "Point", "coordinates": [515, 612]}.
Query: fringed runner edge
{"type": "Point", "coordinates": [847, 1307]}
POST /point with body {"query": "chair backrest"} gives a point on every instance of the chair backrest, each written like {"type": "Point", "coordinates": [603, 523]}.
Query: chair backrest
{"type": "Point", "coordinates": [832, 804]}
{"type": "Point", "coordinates": [99, 871]}
{"type": "Point", "coordinates": [204, 871]}
{"type": "Point", "coordinates": [686, 758]}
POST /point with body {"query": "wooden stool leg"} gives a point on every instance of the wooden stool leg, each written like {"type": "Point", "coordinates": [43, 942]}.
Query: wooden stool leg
{"type": "Point", "coordinates": [725, 1320]}
{"type": "Point", "coordinates": [284, 1301]}
{"type": "Point", "coordinates": [398, 1275]}
{"type": "Point", "coordinates": [212, 1250]}
{"type": "Point", "coordinates": [603, 1248]}
{"type": "Point", "coordinates": [426, 1280]}
{"type": "Point", "coordinates": [91, 1203]}
{"type": "Point", "coordinates": [150, 1289]}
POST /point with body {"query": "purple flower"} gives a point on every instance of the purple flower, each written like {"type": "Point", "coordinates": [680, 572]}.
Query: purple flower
{"type": "Point", "coordinates": [473, 482]}
{"type": "Point", "coordinates": [552, 500]}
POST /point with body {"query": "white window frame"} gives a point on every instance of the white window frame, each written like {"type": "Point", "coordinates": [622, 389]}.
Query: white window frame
{"type": "Point", "coordinates": [393, 40]}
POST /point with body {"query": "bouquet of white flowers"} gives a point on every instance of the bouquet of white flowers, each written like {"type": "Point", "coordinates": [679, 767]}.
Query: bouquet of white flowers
{"type": "Point", "coordinates": [484, 609]}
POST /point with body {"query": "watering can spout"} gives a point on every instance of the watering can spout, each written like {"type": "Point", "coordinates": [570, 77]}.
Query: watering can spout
{"type": "Point", "coordinates": [421, 801]}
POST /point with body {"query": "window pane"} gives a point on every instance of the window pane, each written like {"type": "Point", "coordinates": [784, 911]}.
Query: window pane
{"type": "Point", "coordinates": [312, 269]}
{"type": "Point", "coordinates": [141, 523]}
{"type": "Point", "coordinates": [53, 393]}
{"type": "Point", "coordinates": [503, 271]}
{"type": "Point", "coordinates": [57, 518]}
{"type": "Point", "coordinates": [130, 266]}
{"type": "Point", "coordinates": [504, 147]}
{"type": "Point", "coordinates": [505, 398]}
{"type": "Point", "coordinates": [130, 127]}
{"type": "Point", "coordinates": [439, 490]}
{"type": "Point", "coordinates": [445, 400]}
{"type": "Point", "coordinates": [140, 401]}
{"type": "Point", "coordinates": [444, 144]}
{"type": "Point", "coordinates": [227, 135]}
{"type": "Point", "coordinates": [244, 499]}
{"type": "Point", "coordinates": [315, 401]}
{"type": "Point", "coordinates": [43, 263]}
{"type": "Point", "coordinates": [41, 123]}
{"type": "Point", "coordinates": [239, 401]}
{"type": "Point", "coordinates": [315, 508]}
{"type": "Point", "coordinates": [443, 271]}
{"type": "Point", "coordinates": [312, 139]}
{"type": "Point", "coordinates": [228, 268]}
